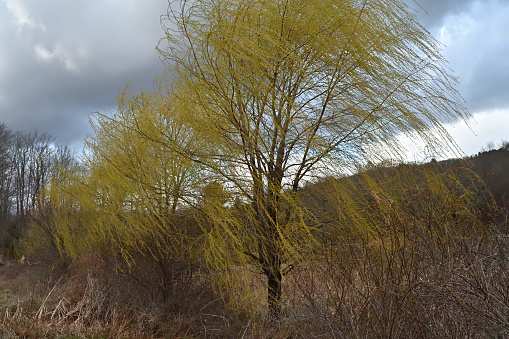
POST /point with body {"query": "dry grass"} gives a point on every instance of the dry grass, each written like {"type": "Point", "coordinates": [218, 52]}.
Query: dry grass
{"type": "Point", "coordinates": [92, 299]}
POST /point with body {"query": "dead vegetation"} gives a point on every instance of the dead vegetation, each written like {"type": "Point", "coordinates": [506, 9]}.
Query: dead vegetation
{"type": "Point", "coordinates": [356, 290]}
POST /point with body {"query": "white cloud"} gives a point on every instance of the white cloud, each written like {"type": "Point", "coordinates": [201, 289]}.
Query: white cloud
{"type": "Point", "coordinates": [42, 53]}
{"type": "Point", "coordinates": [482, 128]}
{"type": "Point", "coordinates": [70, 59]}
{"type": "Point", "coordinates": [470, 136]}
{"type": "Point", "coordinates": [20, 15]}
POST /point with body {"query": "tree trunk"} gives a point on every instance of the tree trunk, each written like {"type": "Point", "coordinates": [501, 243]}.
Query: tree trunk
{"type": "Point", "coordinates": [274, 283]}
{"type": "Point", "coordinates": [270, 245]}
{"type": "Point", "coordinates": [167, 279]}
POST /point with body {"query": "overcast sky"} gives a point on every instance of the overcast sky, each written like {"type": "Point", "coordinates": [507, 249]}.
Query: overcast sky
{"type": "Point", "coordinates": [61, 60]}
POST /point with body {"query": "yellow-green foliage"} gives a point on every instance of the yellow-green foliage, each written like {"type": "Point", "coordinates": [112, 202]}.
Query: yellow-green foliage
{"type": "Point", "coordinates": [127, 195]}
{"type": "Point", "coordinates": [397, 199]}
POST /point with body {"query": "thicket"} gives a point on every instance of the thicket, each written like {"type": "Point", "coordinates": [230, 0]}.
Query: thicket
{"type": "Point", "coordinates": [399, 250]}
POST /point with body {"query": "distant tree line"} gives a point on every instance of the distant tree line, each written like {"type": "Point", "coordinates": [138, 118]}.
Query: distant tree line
{"type": "Point", "coordinates": [492, 166]}
{"type": "Point", "coordinates": [28, 161]}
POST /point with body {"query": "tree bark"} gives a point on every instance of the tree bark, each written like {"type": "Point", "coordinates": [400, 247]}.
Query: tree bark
{"type": "Point", "coordinates": [274, 283]}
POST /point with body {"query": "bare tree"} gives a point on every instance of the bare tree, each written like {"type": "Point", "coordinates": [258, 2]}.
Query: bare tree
{"type": "Point", "coordinates": [5, 181]}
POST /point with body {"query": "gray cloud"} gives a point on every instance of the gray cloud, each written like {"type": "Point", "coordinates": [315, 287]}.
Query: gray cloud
{"type": "Point", "coordinates": [433, 12]}
{"type": "Point", "coordinates": [477, 46]}
{"type": "Point", "coordinates": [59, 61]}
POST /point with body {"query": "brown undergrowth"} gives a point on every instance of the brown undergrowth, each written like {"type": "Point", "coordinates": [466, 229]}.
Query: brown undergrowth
{"type": "Point", "coordinates": [383, 288]}
{"type": "Point", "coordinates": [96, 297]}
{"type": "Point", "coordinates": [378, 291]}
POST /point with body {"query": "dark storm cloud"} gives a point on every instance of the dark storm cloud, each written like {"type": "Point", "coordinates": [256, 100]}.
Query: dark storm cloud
{"type": "Point", "coordinates": [59, 61]}
{"type": "Point", "coordinates": [476, 44]}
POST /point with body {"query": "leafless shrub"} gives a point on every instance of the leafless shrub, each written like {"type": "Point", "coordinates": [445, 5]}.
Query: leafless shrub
{"type": "Point", "coordinates": [400, 288]}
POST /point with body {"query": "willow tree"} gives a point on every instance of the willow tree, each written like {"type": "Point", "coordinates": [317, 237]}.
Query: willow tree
{"type": "Point", "coordinates": [142, 185]}
{"type": "Point", "coordinates": [288, 90]}
{"type": "Point", "coordinates": [129, 193]}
